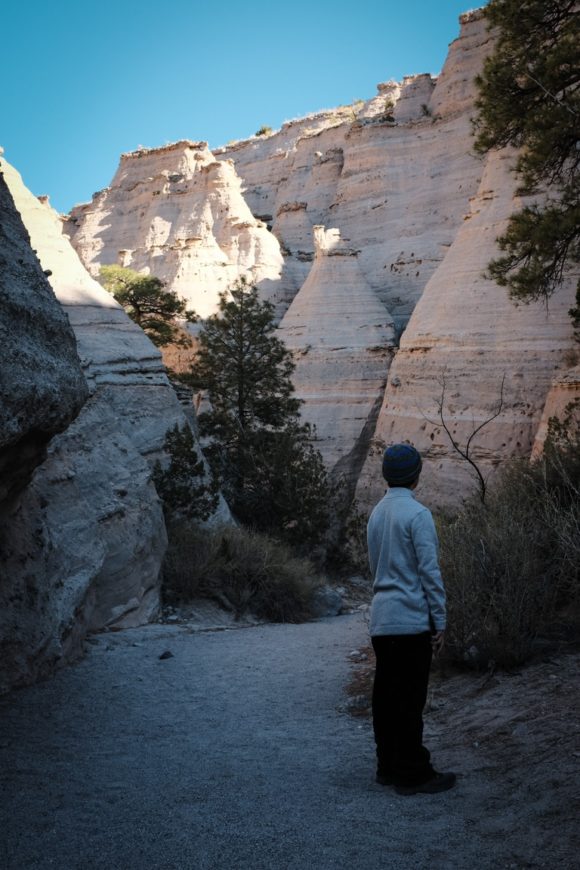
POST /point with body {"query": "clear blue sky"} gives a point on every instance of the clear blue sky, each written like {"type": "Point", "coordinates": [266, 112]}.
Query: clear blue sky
{"type": "Point", "coordinates": [84, 81]}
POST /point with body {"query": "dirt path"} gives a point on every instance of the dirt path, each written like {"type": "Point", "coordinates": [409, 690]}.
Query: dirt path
{"type": "Point", "coordinates": [232, 754]}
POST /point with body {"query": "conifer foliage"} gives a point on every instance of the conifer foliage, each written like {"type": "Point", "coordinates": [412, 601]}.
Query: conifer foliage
{"type": "Point", "coordinates": [529, 97]}
{"type": "Point", "coordinates": [271, 474]}
{"type": "Point", "coordinates": [146, 302]}
{"type": "Point", "coordinates": [184, 485]}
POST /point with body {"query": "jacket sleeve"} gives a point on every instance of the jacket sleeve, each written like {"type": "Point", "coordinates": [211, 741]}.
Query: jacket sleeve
{"type": "Point", "coordinates": [427, 552]}
{"type": "Point", "coordinates": [372, 548]}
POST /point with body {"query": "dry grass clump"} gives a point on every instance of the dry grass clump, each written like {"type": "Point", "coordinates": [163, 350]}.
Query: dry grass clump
{"type": "Point", "coordinates": [512, 565]}
{"type": "Point", "coordinates": [241, 569]}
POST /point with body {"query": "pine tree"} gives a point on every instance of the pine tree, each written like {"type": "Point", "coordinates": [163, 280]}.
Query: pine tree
{"type": "Point", "coordinates": [146, 302]}
{"type": "Point", "coordinates": [529, 97]}
{"type": "Point", "coordinates": [184, 485]}
{"type": "Point", "coordinates": [271, 474]}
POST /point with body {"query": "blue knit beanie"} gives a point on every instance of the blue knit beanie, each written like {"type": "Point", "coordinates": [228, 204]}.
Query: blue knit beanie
{"type": "Point", "coordinates": [401, 464]}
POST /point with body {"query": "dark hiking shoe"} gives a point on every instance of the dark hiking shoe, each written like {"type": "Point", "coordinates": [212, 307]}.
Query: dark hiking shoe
{"type": "Point", "coordinates": [438, 782]}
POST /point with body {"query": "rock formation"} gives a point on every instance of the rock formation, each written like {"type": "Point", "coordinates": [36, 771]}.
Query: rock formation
{"type": "Point", "coordinates": [178, 214]}
{"type": "Point", "coordinates": [465, 334]}
{"type": "Point", "coordinates": [342, 339]}
{"type": "Point", "coordinates": [417, 213]}
{"type": "Point", "coordinates": [42, 387]}
{"type": "Point", "coordinates": [82, 545]}
{"type": "Point", "coordinates": [563, 400]}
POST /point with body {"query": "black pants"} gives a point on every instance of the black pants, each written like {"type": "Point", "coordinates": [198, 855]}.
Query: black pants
{"type": "Point", "coordinates": [399, 696]}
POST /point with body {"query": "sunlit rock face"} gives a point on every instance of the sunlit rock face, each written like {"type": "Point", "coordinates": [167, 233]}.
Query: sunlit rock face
{"type": "Point", "coordinates": [179, 214]}
{"type": "Point", "coordinates": [463, 340]}
{"type": "Point", "coordinates": [342, 340]}
{"type": "Point", "coordinates": [42, 387]}
{"type": "Point", "coordinates": [419, 212]}
{"type": "Point", "coordinates": [82, 545]}
{"type": "Point", "coordinates": [394, 174]}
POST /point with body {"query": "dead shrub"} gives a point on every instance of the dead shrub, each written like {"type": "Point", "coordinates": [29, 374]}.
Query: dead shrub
{"type": "Point", "coordinates": [512, 565]}
{"type": "Point", "coordinates": [240, 569]}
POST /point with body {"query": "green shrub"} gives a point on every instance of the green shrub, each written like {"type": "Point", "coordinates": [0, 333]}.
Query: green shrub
{"type": "Point", "coordinates": [264, 131]}
{"type": "Point", "coordinates": [242, 570]}
{"type": "Point", "coordinates": [512, 565]}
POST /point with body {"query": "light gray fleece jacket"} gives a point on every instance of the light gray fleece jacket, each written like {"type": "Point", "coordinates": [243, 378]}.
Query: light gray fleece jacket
{"type": "Point", "coordinates": [409, 596]}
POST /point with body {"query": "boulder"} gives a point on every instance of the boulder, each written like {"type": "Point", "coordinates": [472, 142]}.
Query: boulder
{"type": "Point", "coordinates": [326, 601]}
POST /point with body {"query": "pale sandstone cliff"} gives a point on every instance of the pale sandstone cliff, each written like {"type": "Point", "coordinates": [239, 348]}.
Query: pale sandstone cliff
{"type": "Point", "coordinates": [562, 402]}
{"type": "Point", "coordinates": [342, 340]}
{"type": "Point", "coordinates": [179, 214]}
{"type": "Point", "coordinates": [82, 546]}
{"type": "Point", "coordinates": [397, 178]}
{"type": "Point", "coordinates": [397, 190]}
{"type": "Point", "coordinates": [393, 178]}
{"type": "Point", "coordinates": [465, 331]}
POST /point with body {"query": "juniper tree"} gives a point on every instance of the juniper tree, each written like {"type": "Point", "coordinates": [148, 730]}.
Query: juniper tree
{"type": "Point", "coordinates": [146, 302]}
{"type": "Point", "coordinates": [529, 97]}
{"type": "Point", "coordinates": [271, 474]}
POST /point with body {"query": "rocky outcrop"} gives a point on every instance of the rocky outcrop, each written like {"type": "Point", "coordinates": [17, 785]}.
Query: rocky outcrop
{"type": "Point", "coordinates": [465, 337]}
{"type": "Point", "coordinates": [397, 178]}
{"type": "Point", "coordinates": [342, 340]}
{"type": "Point", "coordinates": [42, 387]}
{"type": "Point", "coordinates": [394, 182]}
{"type": "Point", "coordinates": [562, 401]}
{"type": "Point", "coordinates": [82, 546]}
{"type": "Point", "coordinates": [178, 214]}
{"type": "Point", "coordinates": [394, 174]}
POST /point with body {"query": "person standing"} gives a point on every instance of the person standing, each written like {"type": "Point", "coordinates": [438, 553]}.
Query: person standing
{"type": "Point", "coordinates": [407, 625]}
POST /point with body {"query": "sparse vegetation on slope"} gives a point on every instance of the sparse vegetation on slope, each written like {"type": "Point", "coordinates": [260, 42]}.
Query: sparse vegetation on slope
{"type": "Point", "coordinates": [241, 570]}
{"type": "Point", "coordinates": [512, 565]}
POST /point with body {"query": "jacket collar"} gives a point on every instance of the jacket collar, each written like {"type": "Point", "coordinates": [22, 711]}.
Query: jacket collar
{"type": "Point", "coordinates": [399, 492]}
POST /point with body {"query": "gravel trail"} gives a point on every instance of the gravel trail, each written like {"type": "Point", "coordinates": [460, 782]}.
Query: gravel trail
{"type": "Point", "coordinates": [232, 753]}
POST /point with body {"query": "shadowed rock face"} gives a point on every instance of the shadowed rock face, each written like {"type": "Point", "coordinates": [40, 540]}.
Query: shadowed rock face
{"type": "Point", "coordinates": [82, 545]}
{"type": "Point", "coordinates": [42, 387]}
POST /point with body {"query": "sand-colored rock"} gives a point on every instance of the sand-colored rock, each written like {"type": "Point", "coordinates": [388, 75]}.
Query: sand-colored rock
{"type": "Point", "coordinates": [342, 339]}
{"type": "Point", "coordinates": [466, 331]}
{"type": "Point", "coordinates": [562, 401]}
{"type": "Point", "coordinates": [177, 213]}
{"type": "Point", "coordinates": [82, 546]}
{"type": "Point", "coordinates": [396, 176]}
{"type": "Point", "coordinates": [397, 190]}
{"type": "Point", "coordinates": [42, 387]}
{"type": "Point", "coordinates": [391, 180]}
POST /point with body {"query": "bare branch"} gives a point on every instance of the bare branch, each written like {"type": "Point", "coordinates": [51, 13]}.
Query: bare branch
{"type": "Point", "coordinates": [464, 452]}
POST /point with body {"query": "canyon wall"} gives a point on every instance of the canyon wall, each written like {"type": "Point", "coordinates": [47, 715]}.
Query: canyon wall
{"type": "Point", "coordinates": [82, 544]}
{"type": "Point", "coordinates": [464, 340]}
{"type": "Point", "coordinates": [177, 213]}
{"type": "Point", "coordinates": [365, 225]}
{"type": "Point", "coordinates": [42, 387]}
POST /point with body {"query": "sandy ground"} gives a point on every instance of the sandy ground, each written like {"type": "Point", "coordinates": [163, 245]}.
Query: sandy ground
{"type": "Point", "coordinates": [235, 752]}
